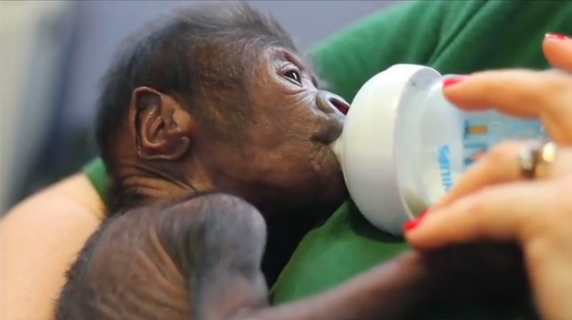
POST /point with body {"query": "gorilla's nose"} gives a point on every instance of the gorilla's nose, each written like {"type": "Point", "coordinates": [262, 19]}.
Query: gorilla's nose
{"type": "Point", "coordinates": [337, 102]}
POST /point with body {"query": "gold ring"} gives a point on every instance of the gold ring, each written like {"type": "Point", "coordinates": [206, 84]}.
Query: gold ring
{"type": "Point", "coordinates": [536, 159]}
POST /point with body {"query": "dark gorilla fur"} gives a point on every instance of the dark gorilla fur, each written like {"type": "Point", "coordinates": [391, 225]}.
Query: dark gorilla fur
{"type": "Point", "coordinates": [193, 249]}
{"type": "Point", "coordinates": [177, 55]}
{"type": "Point", "coordinates": [174, 260]}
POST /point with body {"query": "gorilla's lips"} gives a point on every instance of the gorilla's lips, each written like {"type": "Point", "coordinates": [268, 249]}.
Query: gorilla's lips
{"type": "Point", "coordinates": [342, 106]}
{"type": "Point", "coordinates": [330, 127]}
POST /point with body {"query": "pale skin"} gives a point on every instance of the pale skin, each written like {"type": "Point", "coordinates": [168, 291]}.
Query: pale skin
{"type": "Point", "coordinates": [39, 239]}
{"type": "Point", "coordinates": [493, 201]}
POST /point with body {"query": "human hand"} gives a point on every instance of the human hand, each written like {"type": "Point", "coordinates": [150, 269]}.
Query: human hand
{"type": "Point", "coordinates": [494, 201]}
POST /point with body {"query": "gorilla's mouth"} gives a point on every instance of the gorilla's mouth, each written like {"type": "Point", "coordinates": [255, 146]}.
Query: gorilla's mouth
{"type": "Point", "coordinates": [342, 106]}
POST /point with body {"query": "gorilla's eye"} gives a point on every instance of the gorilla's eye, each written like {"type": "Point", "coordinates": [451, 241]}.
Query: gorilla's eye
{"type": "Point", "coordinates": [294, 75]}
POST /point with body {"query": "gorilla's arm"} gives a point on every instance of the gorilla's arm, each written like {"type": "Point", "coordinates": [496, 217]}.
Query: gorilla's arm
{"type": "Point", "coordinates": [226, 244]}
{"type": "Point", "coordinates": [393, 290]}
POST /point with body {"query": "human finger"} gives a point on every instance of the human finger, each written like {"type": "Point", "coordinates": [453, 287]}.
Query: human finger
{"type": "Point", "coordinates": [546, 96]}
{"type": "Point", "coordinates": [502, 212]}
{"type": "Point", "coordinates": [558, 50]}
{"type": "Point", "coordinates": [502, 165]}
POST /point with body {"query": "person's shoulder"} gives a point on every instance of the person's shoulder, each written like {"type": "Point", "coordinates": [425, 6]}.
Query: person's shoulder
{"type": "Point", "coordinates": [76, 191]}
{"type": "Point", "coordinates": [40, 237]}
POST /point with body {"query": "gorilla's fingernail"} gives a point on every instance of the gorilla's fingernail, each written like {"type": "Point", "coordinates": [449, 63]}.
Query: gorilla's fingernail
{"type": "Point", "coordinates": [453, 80]}
{"type": "Point", "coordinates": [557, 36]}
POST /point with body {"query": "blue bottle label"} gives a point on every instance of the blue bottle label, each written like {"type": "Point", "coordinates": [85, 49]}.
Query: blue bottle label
{"type": "Point", "coordinates": [482, 131]}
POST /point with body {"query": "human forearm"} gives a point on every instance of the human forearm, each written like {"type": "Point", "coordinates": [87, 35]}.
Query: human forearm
{"type": "Point", "coordinates": [38, 240]}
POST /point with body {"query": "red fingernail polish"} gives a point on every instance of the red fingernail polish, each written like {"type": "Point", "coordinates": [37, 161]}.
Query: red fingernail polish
{"type": "Point", "coordinates": [557, 36]}
{"type": "Point", "coordinates": [409, 225]}
{"type": "Point", "coordinates": [453, 80]}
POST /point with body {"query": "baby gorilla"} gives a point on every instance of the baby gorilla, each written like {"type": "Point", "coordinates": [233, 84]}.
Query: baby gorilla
{"type": "Point", "coordinates": [215, 98]}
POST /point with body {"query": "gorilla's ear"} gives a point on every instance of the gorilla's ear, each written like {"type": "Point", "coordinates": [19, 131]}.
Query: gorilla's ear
{"type": "Point", "coordinates": [161, 127]}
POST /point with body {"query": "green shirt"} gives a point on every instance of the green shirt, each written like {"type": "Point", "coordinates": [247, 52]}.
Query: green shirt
{"type": "Point", "coordinates": [450, 36]}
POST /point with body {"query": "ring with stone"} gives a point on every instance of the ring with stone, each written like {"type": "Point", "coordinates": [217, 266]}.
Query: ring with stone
{"type": "Point", "coordinates": [535, 160]}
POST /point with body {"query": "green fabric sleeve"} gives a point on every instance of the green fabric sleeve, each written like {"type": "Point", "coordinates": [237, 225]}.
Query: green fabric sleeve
{"type": "Point", "coordinates": [413, 32]}
{"type": "Point", "coordinates": [97, 174]}
{"type": "Point", "coordinates": [452, 37]}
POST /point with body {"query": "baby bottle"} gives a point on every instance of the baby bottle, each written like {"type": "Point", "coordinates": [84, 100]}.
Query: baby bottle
{"type": "Point", "coordinates": [404, 145]}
